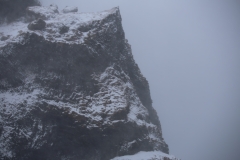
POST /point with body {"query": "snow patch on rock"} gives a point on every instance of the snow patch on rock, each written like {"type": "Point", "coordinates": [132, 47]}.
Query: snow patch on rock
{"type": "Point", "coordinates": [54, 21]}
{"type": "Point", "coordinates": [153, 155]}
{"type": "Point", "coordinates": [70, 9]}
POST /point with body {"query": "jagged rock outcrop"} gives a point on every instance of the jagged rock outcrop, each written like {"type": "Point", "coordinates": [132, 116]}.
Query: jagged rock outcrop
{"type": "Point", "coordinates": [76, 94]}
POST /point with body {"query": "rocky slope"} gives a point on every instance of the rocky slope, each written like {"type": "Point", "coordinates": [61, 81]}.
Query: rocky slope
{"type": "Point", "coordinates": [70, 89]}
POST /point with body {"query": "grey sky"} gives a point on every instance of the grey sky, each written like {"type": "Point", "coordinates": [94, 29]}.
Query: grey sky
{"type": "Point", "coordinates": [190, 53]}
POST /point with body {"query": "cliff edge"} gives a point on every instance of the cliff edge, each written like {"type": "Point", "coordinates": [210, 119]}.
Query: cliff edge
{"type": "Point", "coordinates": [70, 89]}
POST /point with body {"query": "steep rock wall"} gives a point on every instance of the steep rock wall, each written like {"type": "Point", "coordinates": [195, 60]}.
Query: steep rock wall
{"type": "Point", "coordinates": [76, 94]}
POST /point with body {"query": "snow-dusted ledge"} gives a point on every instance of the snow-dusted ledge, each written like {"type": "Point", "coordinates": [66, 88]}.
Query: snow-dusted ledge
{"type": "Point", "coordinates": [152, 155]}
{"type": "Point", "coordinates": [12, 33]}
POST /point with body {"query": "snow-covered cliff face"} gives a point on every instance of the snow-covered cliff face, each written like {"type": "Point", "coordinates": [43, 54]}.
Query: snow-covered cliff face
{"type": "Point", "coordinates": [70, 89]}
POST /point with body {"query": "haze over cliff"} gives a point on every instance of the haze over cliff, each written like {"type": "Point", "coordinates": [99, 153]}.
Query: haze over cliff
{"type": "Point", "coordinates": [70, 89]}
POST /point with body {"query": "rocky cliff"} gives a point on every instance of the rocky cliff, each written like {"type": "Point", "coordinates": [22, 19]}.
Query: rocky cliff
{"type": "Point", "coordinates": [70, 89]}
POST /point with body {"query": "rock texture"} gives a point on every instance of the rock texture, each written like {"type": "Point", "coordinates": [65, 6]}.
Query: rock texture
{"type": "Point", "coordinates": [73, 94]}
{"type": "Point", "coordinates": [38, 24]}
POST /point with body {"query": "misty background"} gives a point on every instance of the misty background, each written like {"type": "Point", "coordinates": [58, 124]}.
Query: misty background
{"type": "Point", "coordinates": [189, 51]}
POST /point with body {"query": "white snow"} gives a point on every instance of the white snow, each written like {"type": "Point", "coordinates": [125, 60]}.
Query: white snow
{"type": "Point", "coordinates": [16, 98]}
{"type": "Point", "coordinates": [43, 11]}
{"type": "Point", "coordinates": [68, 9]}
{"type": "Point", "coordinates": [54, 21]}
{"type": "Point", "coordinates": [12, 30]}
{"type": "Point", "coordinates": [152, 155]}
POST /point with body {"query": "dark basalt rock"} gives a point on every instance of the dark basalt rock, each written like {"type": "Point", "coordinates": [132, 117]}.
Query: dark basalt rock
{"type": "Point", "coordinates": [81, 100]}
{"type": "Point", "coordinates": [4, 38]}
{"type": "Point", "coordinates": [85, 27]}
{"type": "Point", "coordinates": [37, 25]}
{"type": "Point", "coordinates": [63, 29]}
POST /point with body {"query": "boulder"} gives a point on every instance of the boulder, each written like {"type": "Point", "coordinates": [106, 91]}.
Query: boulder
{"type": "Point", "coordinates": [37, 25]}
{"type": "Point", "coordinates": [63, 29]}
{"type": "Point", "coordinates": [70, 9]}
{"type": "Point", "coordinates": [4, 38]}
{"type": "Point", "coordinates": [54, 7]}
{"type": "Point", "coordinates": [85, 27]}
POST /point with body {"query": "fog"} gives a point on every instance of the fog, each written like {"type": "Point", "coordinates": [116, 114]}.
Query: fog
{"type": "Point", "coordinates": [189, 51]}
